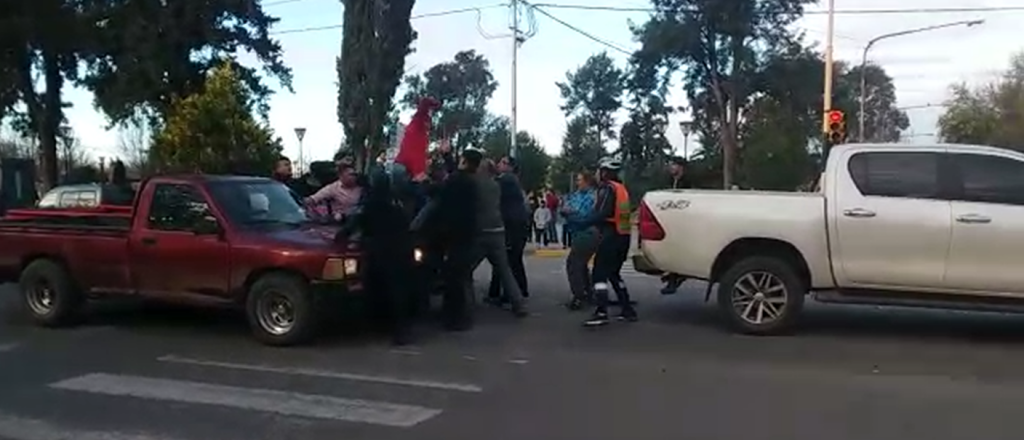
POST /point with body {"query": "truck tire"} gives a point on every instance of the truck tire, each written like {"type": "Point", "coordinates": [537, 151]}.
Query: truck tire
{"type": "Point", "coordinates": [49, 294]}
{"type": "Point", "coordinates": [280, 310]}
{"type": "Point", "coordinates": [761, 295]}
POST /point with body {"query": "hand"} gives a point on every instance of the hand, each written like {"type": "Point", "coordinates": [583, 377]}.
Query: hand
{"type": "Point", "coordinates": [445, 146]}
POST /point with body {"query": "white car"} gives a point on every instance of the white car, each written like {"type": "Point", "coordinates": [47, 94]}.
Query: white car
{"type": "Point", "coordinates": [938, 226]}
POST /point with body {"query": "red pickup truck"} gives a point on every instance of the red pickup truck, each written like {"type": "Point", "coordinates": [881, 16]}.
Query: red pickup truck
{"type": "Point", "coordinates": [201, 240]}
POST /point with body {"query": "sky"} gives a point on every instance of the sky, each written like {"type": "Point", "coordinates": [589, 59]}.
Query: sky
{"type": "Point", "coordinates": [923, 65]}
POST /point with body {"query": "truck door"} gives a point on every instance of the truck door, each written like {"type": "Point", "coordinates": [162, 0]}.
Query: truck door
{"type": "Point", "coordinates": [178, 249]}
{"type": "Point", "coordinates": [986, 253]}
{"type": "Point", "coordinates": [892, 225]}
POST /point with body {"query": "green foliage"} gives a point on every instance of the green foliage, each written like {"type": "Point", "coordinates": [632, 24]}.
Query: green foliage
{"type": "Point", "coordinates": [214, 132]}
{"type": "Point", "coordinates": [463, 86]}
{"type": "Point", "coordinates": [720, 46]}
{"type": "Point", "coordinates": [150, 53]}
{"type": "Point", "coordinates": [593, 93]}
{"type": "Point", "coordinates": [992, 114]}
{"type": "Point", "coordinates": [581, 151]}
{"type": "Point", "coordinates": [534, 162]}
{"type": "Point", "coordinates": [377, 36]}
{"type": "Point", "coordinates": [642, 143]}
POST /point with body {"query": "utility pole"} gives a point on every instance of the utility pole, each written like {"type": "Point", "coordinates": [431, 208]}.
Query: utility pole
{"type": "Point", "coordinates": [300, 132]}
{"type": "Point", "coordinates": [515, 73]}
{"type": "Point", "coordinates": [829, 37]}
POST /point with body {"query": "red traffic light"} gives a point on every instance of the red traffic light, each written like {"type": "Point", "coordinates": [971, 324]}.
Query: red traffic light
{"type": "Point", "coordinates": [835, 116]}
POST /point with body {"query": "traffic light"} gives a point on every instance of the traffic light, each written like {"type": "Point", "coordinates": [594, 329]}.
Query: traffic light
{"type": "Point", "coordinates": [836, 133]}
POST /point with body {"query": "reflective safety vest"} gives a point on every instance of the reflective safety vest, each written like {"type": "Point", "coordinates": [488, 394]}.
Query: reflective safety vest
{"type": "Point", "coordinates": [621, 217]}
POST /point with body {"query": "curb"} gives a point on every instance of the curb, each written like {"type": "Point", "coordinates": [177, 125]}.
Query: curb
{"type": "Point", "coordinates": [547, 253]}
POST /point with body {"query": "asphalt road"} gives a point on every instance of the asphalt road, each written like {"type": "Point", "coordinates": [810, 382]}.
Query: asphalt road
{"type": "Point", "coordinates": [850, 373]}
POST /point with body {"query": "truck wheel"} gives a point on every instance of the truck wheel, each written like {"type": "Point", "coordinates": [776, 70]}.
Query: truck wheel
{"type": "Point", "coordinates": [761, 295]}
{"type": "Point", "coordinates": [280, 310]}
{"type": "Point", "coordinates": [49, 294]}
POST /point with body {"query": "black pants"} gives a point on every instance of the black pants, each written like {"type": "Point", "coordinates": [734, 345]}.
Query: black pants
{"type": "Point", "coordinates": [611, 255]}
{"type": "Point", "coordinates": [566, 237]}
{"type": "Point", "coordinates": [515, 243]}
{"type": "Point", "coordinates": [390, 272]}
{"type": "Point", "coordinates": [457, 269]}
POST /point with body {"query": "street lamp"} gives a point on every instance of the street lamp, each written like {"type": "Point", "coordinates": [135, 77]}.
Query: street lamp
{"type": "Point", "coordinates": [300, 132]}
{"type": "Point", "coordinates": [864, 61]}
{"type": "Point", "coordinates": [687, 128]}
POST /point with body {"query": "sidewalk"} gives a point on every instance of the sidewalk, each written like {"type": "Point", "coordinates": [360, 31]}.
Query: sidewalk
{"type": "Point", "coordinates": [552, 251]}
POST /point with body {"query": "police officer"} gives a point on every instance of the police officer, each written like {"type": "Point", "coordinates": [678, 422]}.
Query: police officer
{"type": "Point", "coordinates": [612, 217]}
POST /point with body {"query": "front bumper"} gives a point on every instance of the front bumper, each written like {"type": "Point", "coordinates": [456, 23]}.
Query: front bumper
{"type": "Point", "coordinates": [643, 265]}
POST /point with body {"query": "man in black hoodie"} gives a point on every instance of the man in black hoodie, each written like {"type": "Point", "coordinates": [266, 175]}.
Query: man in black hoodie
{"type": "Point", "coordinates": [517, 228]}
{"type": "Point", "coordinates": [454, 219]}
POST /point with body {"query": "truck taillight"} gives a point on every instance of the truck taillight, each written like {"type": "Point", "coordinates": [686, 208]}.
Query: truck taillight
{"type": "Point", "coordinates": [648, 226]}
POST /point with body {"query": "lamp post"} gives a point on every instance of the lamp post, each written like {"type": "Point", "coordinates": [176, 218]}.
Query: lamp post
{"type": "Point", "coordinates": [687, 128]}
{"type": "Point", "coordinates": [871, 43]}
{"type": "Point", "coordinates": [300, 132]}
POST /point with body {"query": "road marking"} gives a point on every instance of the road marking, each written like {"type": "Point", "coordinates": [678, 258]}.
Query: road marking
{"type": "Point", "coordinates": [273, 401]}
{"type": "Point", "coordinates": [20, 428]}
{"type": "Point", "coordinates": [8, 347]}
{"type": "Point", "coordinates": [296, 371]}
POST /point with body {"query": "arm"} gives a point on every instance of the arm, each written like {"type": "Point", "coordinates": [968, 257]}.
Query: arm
{"type": "Point", "coordinates": [604, 208]}
{"type": "Point", "coordinates": [322, 194]}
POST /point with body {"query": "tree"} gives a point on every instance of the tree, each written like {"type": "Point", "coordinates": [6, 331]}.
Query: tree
{"type": "Point", "coordinates": [883, 120]}
{"type": "Point", "coordinates": [721, 46]}
{"type": "Point", "coordinates": [214, 132]}
{"type": "Point", "coordinates": [133, 145]}
{"type": "Point", "coordinates": [376, 39]}
{"type": "Point", "coordinates": [992, 114]}
{"type": "Point", "coordinates": [580, 152]}
{"type": "Point", "coordinates": [534, 162]}
{"type": "Point", "coordinates": [44, 41]}
{"type": "Point", "coordinates": [464, 86]}
{"type": "Point", "coordinates": [149, 54]}
{"type": "Point", "coordinates": [593, 93]}
{"type": "Point", "coordinates": [642, 142]}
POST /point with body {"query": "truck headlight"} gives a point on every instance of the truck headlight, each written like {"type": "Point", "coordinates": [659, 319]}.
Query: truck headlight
{"type": "Point", "coordinates": [340, 268]}
{"type": "Point", "coordinates": [417, 254]}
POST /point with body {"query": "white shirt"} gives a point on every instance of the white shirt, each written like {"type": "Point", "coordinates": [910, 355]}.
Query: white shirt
{"type": "Point", "coordinates": [541, 217]}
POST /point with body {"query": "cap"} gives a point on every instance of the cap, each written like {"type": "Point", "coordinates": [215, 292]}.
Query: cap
{"type": "Point", "coordinates": [610, 164]}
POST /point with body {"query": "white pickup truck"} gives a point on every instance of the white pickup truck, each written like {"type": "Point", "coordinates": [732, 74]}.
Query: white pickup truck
{"type": "Point", "coordinates": [938, 226]}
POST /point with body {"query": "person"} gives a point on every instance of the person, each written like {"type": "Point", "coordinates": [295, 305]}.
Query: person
{"type": "Point", "coordinates": [552, 201]}
{"type": "Point", "coordinates": [541, 219]}
{"type": "Point", "coordinates": [283, 173]}
{"type": "Point", "coordinates": [453, 216]}
{"type": "Point", "coordinates": [340, 196]}
{"type": "Point", "coordinates": [566, 235]}
{"type": "Point", "coordinates": [389, 249]}
{"type": "Point", "coordinates": [578, 206]}
{"type": "Point", "coordinates": [612, 216]}
{"type": "Point", "coordinates": [679, 180]}
{"type": "Point", "coordinates": [517, 228]}
{"type": "Point", "coordinates": [490, 239]}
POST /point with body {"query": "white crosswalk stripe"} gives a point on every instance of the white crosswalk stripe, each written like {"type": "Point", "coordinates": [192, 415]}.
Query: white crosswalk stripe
{"type": "Point", "coordinates": [10, 346]}
{"type": "Point", "coordinates": [251, 389]}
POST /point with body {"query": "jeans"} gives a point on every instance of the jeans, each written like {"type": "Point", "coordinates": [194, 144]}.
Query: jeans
{"type": "Point", "coordinates": [490, 245]}
{"type": "Point", "coordinates": [584, 245]}
{"type": "Point", "coordinates": [515, 245]}
{"type": "Point", "coordinates": [552, 232]}
{"type": "Point", "coordinates": [611, 255]}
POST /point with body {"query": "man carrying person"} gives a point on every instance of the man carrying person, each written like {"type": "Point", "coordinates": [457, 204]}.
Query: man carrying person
{"type": "Point", "coordinates": [679, 180]}
{"type": "Point", "coordinates": [613, 218]}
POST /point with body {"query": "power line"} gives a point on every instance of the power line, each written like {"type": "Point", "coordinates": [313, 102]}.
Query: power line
{"type": "Point", "coordinates": [579, 31]}
{"type": "Point", "coordinates": [812, 12]}
{"type": "Point", "coordinates": [414, 17]}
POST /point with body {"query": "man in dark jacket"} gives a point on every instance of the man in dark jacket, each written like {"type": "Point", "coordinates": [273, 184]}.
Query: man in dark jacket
{"type": "Point", "coordinates": [517, 228]}
{"type": "Point", "coordinates": [283, 173]}
{"type": "Point", "coordinates": [453, 217]}
{"type": "Point", "coordinates": [678, 180]}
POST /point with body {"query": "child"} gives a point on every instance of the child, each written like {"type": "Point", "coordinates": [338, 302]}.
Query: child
{"type": "Point", "coordinates": [541, 218]}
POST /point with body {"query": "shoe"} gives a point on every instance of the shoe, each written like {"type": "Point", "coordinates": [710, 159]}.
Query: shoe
{"type": "Point", "coordinates": [574, 305]}
{"type": "Point", "coordinates": [599, 318]}
{"type": "Point", "coordinates": [628, 315]}
{"type": "Point", "coordinates": [458, 325]}
{"type": "Point", "coordinates": [672, 286]}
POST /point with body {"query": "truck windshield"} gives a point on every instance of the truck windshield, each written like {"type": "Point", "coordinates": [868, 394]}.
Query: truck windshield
{"type": "Point", "coordinates": [258, 203]}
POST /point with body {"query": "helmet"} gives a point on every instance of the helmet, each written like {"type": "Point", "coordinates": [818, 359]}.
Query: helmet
{"type": "Point", "coordinates": [610, 165]}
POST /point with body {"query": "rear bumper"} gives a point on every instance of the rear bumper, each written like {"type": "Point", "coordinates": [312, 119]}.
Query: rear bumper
{"type": "Point", "coordinates": [643, 265]}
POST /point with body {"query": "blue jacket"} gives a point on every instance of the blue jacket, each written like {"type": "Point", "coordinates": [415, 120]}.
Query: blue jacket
{"type": "Point", "coordinates": [581, 205]}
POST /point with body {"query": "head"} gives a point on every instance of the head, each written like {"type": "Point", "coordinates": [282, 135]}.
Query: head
{"type": "Point", "coordinates": [118, 173]}
{"type": "Point", "coordinates": [677, 166]}
{"type": "Point", "coordinates": [488, 168]}
{"type": "Point", "coordinates": [283, 167]}
{"type": "Point", "coordinates": [584, 180]}
{"type": "Point", "coordinates": [470, 160]}
{"type": "Point", "coordinates": [507, 165]}
{"type": "Point", "coordinates": [609, 170]}
{"type": "Point", "coordinates": [347, 175]}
